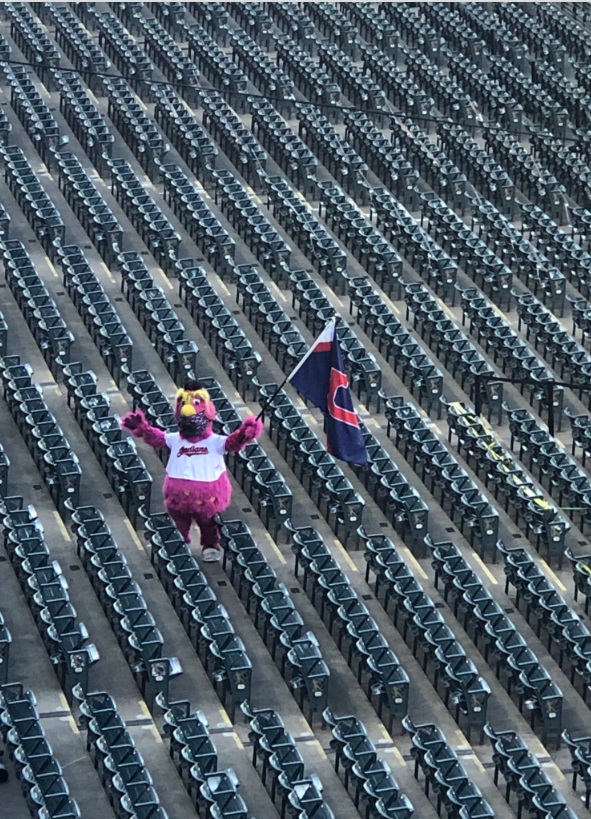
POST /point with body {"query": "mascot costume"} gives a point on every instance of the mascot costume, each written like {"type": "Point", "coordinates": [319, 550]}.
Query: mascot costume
{"type": "Point", "coordinates": [197, 486]}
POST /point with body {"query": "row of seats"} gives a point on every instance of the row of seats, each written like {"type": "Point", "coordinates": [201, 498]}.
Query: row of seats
{"type": "Point", "coordinates": [77, 44]}
{"type": "Point", "coordinates": [375, 254]}
{"type": "Point", "coordinates": [292, 155]}
{"type": "Point", "coordinates": [240, 146]}
{"type": "Point", "coordinates": [40, 774]}
{"type": "Point", "coordinates": [256, 19]}
{"type": "Point", "coordinates": [274, 326]}
{"type": "Point", "coordinates": [217, 67]}
{"type": "Point", "coordinates": [320, 475]}
{"type": "Point", "coordinates": [137, 129]}
{"type": "Point", "coordinates": [262, 70]}
{"type": "Point", "coordinates": [427, 633]}
{"type": "Point", "coordinates": [33, 112]}
{"type": "Point", "coordinates": [31, 39]}
{"type": "Point", "coordinates": [435, 166]}
{"type": "Point", "coordinates": [523, 774]}
{"type": "Point", "coordinates": [206, 621]}
{"type": "Point", "coordinates": [314, 83]}
{"type": "Point", "coordinates": [445, 776]}
{"type": "Point", "coordinates": [364, 772]}
{"type": "Point", "coordinates": [345, 165]}
{"type": "Point", "coordinates": [414, 243]}
{"type": "Point", "coordinates": [85, 120]}
{"type": "Point", "coordinates": [536, 182]}
{"type": "Point", "coordinates": [566, 30]}
{"type": "Point", "coordinates": [307, 231]}
{"type": "Point", "coordinates": [89, 207]}
{"type": "Point", "coordinates": [413, 30]}
{"type": "Point", "coordinates": [170, 57]}
{"type": "Point", "coordinates": [334, 24]}
{"type": "Point", "coordinates": [272, 610]}
{"type": "Point", "coordinates": [570, 169]}
{"type": "Point", "coordinates": [44, 218]}
{"type": "Point", "coordinates": [548, 610]}
{"type": "Point", "coordinates": [374, 27]}
{"type": "Point", "coordinates": [123, 773]}
{"type": "Point", "coordinates": [481, 169]}
{"type": "Point", "coordinates": [165, 330]}
{"type": "Point", "coordinates": [46, 591]}
{"type": "Point", "coordinates": [282, 767]}
{"type": "Point", "coordinates": [530, 510]}
{"type": "Point", "coordinates": [186, 134]}
{"type": "Point", "coordinates": [213, 17]}
{"type": "Point", "coordinates": [358, 636]}
{"type": "Point", "coordinates": [96, 311]}
{"type": "Point", "coordinates": [124, 469]}
{"type": "Point", "coordinates": [220, 328]}
{"type": "Point", "coordinates": [568, 251]}
{"type": "Point", "coordinates": [191, 748]}
{"type": "Point", "coordinates": [128, 56]}
{"type": "Point", "coordinates": [293, 21]}
{"type": "Point", "coordinates": [39, 310]}
{"type": "Point", "coordinates": [198, 219]}
{"type": "Point", "coordinates": [501, 341]}
{"type": "Point", "coordinates": [439, 470]}
{"type": "Point", "coordinates": [394, 342]}
{"type": "Point", "coordinates": [486, 622]}
{"type": "Point", "coordinates": [580, 751]}
{"type": "Point", "coordinates": [388, 163]}
{"type": "Point", "coordinates": [568, 358]}
{"type": "Point", "coordinates": [510, 245]}
{"type": "Point", "coordinates": [123, 603]}
{"type": "Point", "coordinates": [451, 346]}
{"type": "Point", "coordinates": [153, 226]}
{"type": "Point", "coordinates": [363, 92]}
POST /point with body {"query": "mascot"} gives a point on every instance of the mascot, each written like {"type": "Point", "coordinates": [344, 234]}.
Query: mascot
{"type": "Point", "coordinates": [197, 485]}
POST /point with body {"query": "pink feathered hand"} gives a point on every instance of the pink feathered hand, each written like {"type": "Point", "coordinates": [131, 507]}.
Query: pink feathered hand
{"type": "Point", "coordinates": [248, 431]}
{"type": "Point", "coordinates": [136, 423]}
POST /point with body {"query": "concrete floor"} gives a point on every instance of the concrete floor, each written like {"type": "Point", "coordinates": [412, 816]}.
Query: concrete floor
{"type": "Point", "coordinates": [29, 662]}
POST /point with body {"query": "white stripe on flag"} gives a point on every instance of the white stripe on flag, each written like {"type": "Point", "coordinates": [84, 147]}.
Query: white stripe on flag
{"type": "Point", "coordinates": [326, 335]}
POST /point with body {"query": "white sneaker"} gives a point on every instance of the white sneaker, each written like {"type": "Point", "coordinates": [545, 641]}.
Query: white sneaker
{"type": "Point", "coordinates": [211, 555]}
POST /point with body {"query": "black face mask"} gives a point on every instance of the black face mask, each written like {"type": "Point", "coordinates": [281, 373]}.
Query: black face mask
{"type": "Point", "coordinates": [193, 426]}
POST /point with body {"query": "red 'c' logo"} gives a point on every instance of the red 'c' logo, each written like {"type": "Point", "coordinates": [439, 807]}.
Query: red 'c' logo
{"type": "Point", "coordinates": [338, 380]}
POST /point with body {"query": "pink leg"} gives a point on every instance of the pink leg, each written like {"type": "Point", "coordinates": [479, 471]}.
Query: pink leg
{"type": "Point", "coordinates": [210, 533]}
{"type": "Point", "coordinates": [183, 523]}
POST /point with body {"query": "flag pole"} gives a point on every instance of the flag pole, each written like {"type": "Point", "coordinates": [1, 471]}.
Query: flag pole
{"type": "Point", "coordinates": [271, 397]}
{"type": "Point", "coordinates": [291, 375]}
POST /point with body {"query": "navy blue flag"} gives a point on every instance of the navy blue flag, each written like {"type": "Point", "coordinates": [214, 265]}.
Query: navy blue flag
{"type": "Point", "coordinates": [320, 377]}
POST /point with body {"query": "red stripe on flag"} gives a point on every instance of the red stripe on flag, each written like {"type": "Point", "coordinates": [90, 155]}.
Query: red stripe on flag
{"type": "Point", "coordinates": [322, 347]}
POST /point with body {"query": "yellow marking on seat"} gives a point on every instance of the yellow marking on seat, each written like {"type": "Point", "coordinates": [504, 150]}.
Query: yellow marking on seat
{"type": "Point", "coordinates": [144, 709]}
{"type": "Point", "coordinates": [224, 288]}
{"type": "Point", "coordinates": [345, 554]}
{"type": "Point", "coordinates": [72, 724]}
{"type": "Point", "coordinates": [63, 701]}
{"type": "Point", "coordinates": [552, 575]}
{"type": "Point", "coordinates": [412, 559]}
{"type": "Point", "coordinates": [155, 733]}
{"type": "Point", "coordinates": [437, 429]}
{"type": "Point", "coordinates": [485, 569]}
{"type": "Point", "coordinates": [396, 309]}
{"type": "Point", "coordinates": [64, 531]}
{"type": "Point", "coordinates": [275, 548]}
{"type": "Point", "coordinates": [133, 536]}
{"type": "Point", "coordinates": [238, 741]}
{"type": "Point", "coordinates": [51, 266]}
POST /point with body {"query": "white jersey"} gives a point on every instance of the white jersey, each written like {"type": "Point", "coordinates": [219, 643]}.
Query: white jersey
{"type": "Point", "coordinates": [198, 461]}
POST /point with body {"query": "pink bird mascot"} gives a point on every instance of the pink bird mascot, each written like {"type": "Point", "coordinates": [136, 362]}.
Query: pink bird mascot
{"type": "Point", "coordinates": [197, 486]}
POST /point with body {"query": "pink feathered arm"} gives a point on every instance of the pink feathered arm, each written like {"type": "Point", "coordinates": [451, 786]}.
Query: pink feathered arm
{"type": "Point", "coordinates": [248, 430]}
{"type": "Point", "coordinates": [136, 423]}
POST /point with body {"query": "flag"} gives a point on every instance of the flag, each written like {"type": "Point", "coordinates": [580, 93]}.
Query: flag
{"type": "Point", "coordinates": [320, 377]}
